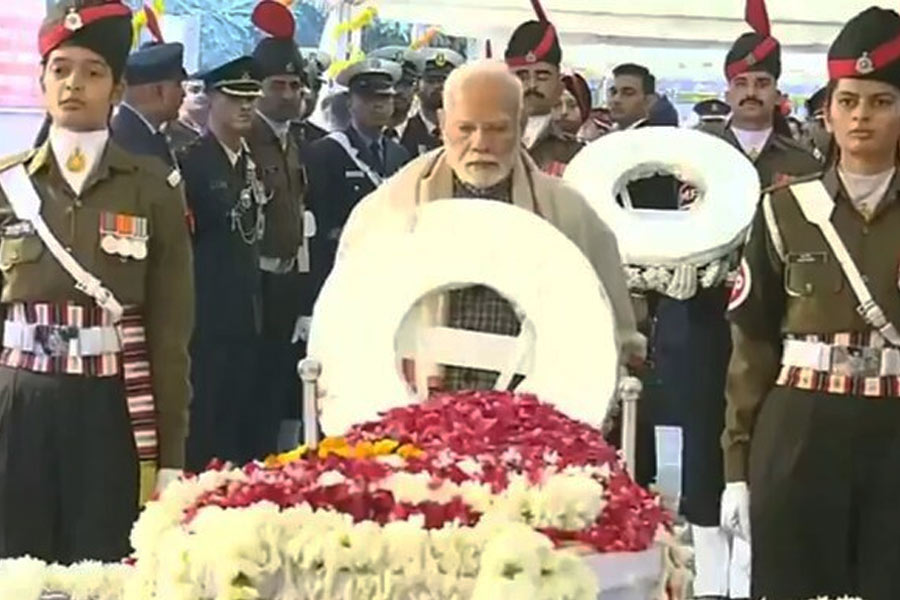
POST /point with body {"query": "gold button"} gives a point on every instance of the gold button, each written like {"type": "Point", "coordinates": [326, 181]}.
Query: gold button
{"type": "Point", "coordinates": [14, 255]}
{"type": "Point", "coordinates": [78, 203]}
{"type": "Point", "coordinates": [809, 288]}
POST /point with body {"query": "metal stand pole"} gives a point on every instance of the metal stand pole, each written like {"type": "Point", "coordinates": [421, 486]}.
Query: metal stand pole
{"type": "Point", "coordinates": [629, 391]}
{"type": "Point", "coordinates": [310, 370]}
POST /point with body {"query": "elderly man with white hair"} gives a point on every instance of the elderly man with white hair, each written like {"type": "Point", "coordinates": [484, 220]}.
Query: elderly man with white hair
{"type": "Point", "coordinates": [483, 157]}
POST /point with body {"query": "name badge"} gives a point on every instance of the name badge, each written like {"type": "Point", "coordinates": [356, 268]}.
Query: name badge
{"type": "Point", "coordinates": [807, 258]}
{"type": "Point", "coordinates": [18, 230]}
{"type": "Point", "coordinates": [174, 178]}
{"type": "Point", "coordinates": [354, 174]}
{"type": "Point", "coordinates": [124, 235]}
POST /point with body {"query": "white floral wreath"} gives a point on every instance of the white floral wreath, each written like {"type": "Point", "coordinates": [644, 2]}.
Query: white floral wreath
{"type": "Point", "coordinates": [654, 243]}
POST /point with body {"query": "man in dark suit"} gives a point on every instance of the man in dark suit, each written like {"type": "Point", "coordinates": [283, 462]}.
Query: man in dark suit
{"type": "Point", "coordinates": [153, 96]}
{"type": "Point", "coordinates": [349, 164]}
{"type": "Point", "coordinates": [422, 132]}
{"type": "Point", "coordinates": [226, 201]}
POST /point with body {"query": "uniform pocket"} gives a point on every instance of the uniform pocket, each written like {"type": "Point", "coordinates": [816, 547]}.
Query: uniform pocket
{"type": "Point", "coordinates": [811, 273]}
{"type": "Point", "coordinates": [19, 250]}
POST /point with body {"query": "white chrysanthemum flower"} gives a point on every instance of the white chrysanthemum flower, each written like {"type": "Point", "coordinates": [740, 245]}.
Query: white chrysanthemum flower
{"type": "Point", "coordinates": [570, 502]}
{"type": "Point", "coordinates": [510, 563]}
{"type": "Point", "coordinates": [477, 495]}
{"type": "Point", "coordinates": [470, 467]}
{"type": "Point", "coordinates": [22, 578]}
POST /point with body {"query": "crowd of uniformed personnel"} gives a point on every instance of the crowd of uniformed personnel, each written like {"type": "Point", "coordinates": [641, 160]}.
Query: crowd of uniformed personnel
{"type": "Point", "coordinates": [164, 241]}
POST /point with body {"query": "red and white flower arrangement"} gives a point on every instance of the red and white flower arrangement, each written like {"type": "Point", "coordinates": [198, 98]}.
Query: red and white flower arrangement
{"type": "Point", "coordinates": [474, 495]}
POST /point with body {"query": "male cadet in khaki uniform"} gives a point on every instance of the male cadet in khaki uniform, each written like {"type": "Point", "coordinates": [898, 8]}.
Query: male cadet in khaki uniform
{"type": "Point", "coordinates": [277, 159]}
{"type": "Point", "coordinates": [411, 66]}
{"type": "Point", "coordinates": [227, 202]}
{"type": "Point", "coordinates": [533, 54]}
{"type": "Point", "coordinates": [153, 95]}
{"type": "Point", "coordinates": [92, 372]}
{"type": "Point", "coordinates": [752, 68]}
{"type": "Point", "coordinates": [812, 438]}
{"type": "Point", "coordinates": [423, 132]}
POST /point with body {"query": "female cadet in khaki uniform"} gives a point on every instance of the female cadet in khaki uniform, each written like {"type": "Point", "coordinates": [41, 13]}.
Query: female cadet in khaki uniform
{"type": "Point", "coordinates": [80, 370]}
{"type": "Point", "coordinates": [812, 437]}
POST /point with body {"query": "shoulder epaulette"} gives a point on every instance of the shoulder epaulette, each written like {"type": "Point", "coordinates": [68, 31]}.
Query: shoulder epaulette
{"type": "Point", "coordinates": [184, 149]}
{"type": "Point", "coordinates": [17, 159]}
{"type": "Point", "coordinates": [793, 144]}
{"type": "Point", "coordinates": [786, 181]}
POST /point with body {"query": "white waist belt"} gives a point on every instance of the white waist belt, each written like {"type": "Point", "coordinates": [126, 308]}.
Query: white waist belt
{"type": "Point", "coordinates": [61, 340]}
{"type": "Point", "coordinates": [843, 360]}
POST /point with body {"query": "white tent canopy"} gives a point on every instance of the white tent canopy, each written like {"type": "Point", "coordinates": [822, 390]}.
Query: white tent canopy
{"type": "Point", "coordinates": [801, 23]}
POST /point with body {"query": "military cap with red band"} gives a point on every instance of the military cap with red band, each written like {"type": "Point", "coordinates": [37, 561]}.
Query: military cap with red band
{"type": "Point", "coordinates": [534, 41]}
{"type": "Point", "coordinates": [756, 50]}
{"type": "Point", "coordinates": [278, 54]}
{"type": "Point", "coordinates": [103, 26]}
{"type": "Point", "coordinates": [868, 47]}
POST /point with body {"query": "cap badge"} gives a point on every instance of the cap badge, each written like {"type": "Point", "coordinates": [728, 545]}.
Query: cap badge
{"type": "Point", "coordinates": [245, 76]}
{"type": "Point", "coordinates": [750, 59]}
{"type": "Point", "coordinates": [398, 57]}
{"type": "Point", "coordinates": [290, 68]}
{"type": "Point", "coordinates": [441, 59]}
{"type": "Point", "coordinates": [864, 65]}
{"type": "Point", "coordinates": [531, 57]}
{"type": "Point", "coordinates": [73, 20]}
{"type": "Point", "coordinates": [376, 64]}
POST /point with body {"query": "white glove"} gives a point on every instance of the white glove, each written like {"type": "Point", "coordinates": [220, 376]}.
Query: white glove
{"type": "Point", "coordinates": [684, 283]}
{"type": "Point", "coordinates": [715, 274]}
{"type": "Point", "coordinates": [164, 477]}
{"type": "Point", "coordinates": [735, 512]}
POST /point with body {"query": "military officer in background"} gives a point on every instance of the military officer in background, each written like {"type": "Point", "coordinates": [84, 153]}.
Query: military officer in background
{"type": "Point", "coordinates": [711, 111]}
{"type": "Point", "coordinates": [812, 437]}
{"type": "Point", "coordinates": [817, 137]}
{"type": "Point", "coordinates": [349, 164]}
{"type": "Point", "coordinates": [752, 68]}
{"type": "Point", "coordinates": [277, 158]}
{"type": "Point", "coordinates": [192, 115]}
{"type": "Point", "coordinates": [78, 409]}
{"type": "Point", "coordinates": [304, 130]}
{"type": "Point", "coordinates": [411, 66]}
{"type": "Point", "coordinates": [227, 201]}
{"type": "Point", "coordinates": [153, 95]}
{"type": "Point", "coordinates": [423, 133]}
{"type": "Point", "coordinates": [534, 56]}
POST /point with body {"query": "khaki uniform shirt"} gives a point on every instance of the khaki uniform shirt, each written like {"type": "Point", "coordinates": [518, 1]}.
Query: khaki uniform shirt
{"type": "Point", "coordinates": [792, 284]}
{"type": "Point", "coordinates": [280, 171]}
{"type": "Point", "coordinates": [161, 284]}
{"type": "Point", "coordinates": [781, 157]}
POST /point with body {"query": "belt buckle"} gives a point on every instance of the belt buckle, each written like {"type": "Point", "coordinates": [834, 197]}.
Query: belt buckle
{"type": "Point", "coordinates": [853, 361]}
{"type": "Point", "coordinates": [54, 340]}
